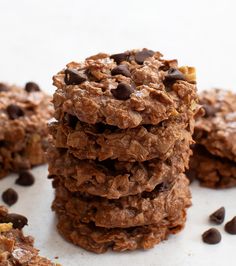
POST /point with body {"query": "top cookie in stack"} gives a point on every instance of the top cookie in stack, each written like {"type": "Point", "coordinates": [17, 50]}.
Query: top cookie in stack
{"type": "Point", "coordinates": [120, 146]}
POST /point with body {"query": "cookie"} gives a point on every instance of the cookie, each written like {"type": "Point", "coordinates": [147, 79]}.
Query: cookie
{"type": "Point", "coordinates": [216, 131]}
{"type": "Point", "coordinates": [99, 239]}
{"type": "Point", "coordinates": [164, 202]}
{"type": "Point", "coordinates": [212, 171]}
{"type": "Point", "coordinates": [102, 142]}
{"type": "Point", "coordinates": [100, 90]}
{"type": "Point", "coordinates": [17, 249]}
{"type": "Point", "coordinates": [114, 179]}
{"type": "Point", "coordinates": [23, 120]}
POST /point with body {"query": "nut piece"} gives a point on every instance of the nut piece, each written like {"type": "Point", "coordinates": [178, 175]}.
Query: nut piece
{"type": "Point", "coordinates": [189, 73]}
{"type": "Point", "coordinates": [5, 227]}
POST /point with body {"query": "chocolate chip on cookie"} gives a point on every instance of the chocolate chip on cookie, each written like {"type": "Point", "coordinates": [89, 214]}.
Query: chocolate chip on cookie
{"type": "Point", "coordinates": [174, 74]}
{"type": "Point", "coordinates": [3, 87]}
{"type": "Point", "coordinates": [71, 120]}
{"type": "Point", "coordinates": [10, 196]}
{"type": "Point", "coordinates": [74, 77]}
{"type": "Point", "coordinates": [14, 111]}
{"type": "Point", "coordinates": [121, 70]}
{"type": "Point", "coordinates": [211, 236]}
{"type": "Point", "coordinates": [122, 92]}
{"type": "Point", "coordinates": [141, 56]}
{"type": "Point", "coordinates": [118, 58]}
{"type": "Point", "coordinates": [25, 179]}
{"type": "Point", "coordinates": [209, 110]}
{"type": "Point", "coordinates": [18, 221]}
{"type": "Point", "coordinates": [230, 227]}
{"type": "Point", "coordinates": [218, 216]}
{"type": "Point", "coordinates": [31, 87]}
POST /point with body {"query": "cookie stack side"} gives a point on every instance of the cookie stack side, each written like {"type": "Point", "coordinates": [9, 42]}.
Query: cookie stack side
{"type": "Point", "coordinates": [214, 159]}
{"type": "Point", "coordinates": [120, 144]}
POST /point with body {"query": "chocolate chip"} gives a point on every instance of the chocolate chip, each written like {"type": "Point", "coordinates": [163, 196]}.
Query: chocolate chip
{"type": "Point", "coordinates": [174, 74]}
{"type": "Point", "coordinates": [25, 179]}
{"type": "Point", "coordinates": [218, 216]}
{"type": "Point", "coordinates": [3, 87]}
{"type": "Point", "coordinates": [191, 175]}
{"type": "Point", "coordinates": [31, 87]}
{"type": "Point", "coordinates": [10, 196]}
{"type": "Point", "coordinates": [209, 110]}
{"type": "Point", "coordinates": [230, 227]}
{"type": "Point", "coordinates": [121, 70]}
{"type": "Point", "coordinates": [71, 120]}
{"type": "Point", "coordinates": [118, 58]}
{"type": "Point", "coordinates": [122, 92]}
{"type": "Point", "coordinates": [14, 111]}
{"type": "Point", "coordinates": [18, 221]}
{"type": "Point", "coordinates": [141, 56]}
{"type": "Point", "coordinates": [74, 77]}
{"type": "Point", "coordinates": [211, 236]}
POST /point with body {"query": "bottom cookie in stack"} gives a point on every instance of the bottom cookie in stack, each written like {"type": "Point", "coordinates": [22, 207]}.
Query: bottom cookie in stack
{"type": "Point", "coordinates": [128, 223]}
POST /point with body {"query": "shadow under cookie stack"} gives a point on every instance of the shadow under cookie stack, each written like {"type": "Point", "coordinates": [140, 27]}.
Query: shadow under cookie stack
{"type": "Point", "coordinates": [120, 145]}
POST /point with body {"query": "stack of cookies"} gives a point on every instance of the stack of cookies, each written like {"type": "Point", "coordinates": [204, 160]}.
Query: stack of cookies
{"type": "Point", "coordinates": [214, 158]}
{"type": "Point", "coordinates": [120, 144]}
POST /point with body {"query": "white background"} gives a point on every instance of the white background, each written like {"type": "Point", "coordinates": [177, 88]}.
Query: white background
{"type": "Point", "coordinates": [37, 38]}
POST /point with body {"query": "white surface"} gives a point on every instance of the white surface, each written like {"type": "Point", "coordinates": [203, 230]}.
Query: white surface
{"type": "Point", "coordinates": [39, 37]}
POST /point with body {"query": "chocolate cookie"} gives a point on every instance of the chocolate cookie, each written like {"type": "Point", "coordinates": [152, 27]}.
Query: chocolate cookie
{"type": "Point", "coordinates": [212, 171]}
{"type": "Point", "coordinates": [99, 239]}
{"type": "Point", "coordinates": [216, 131]}
{"type": "Point", "coordinates": [124, 92]}
{"type": "Point", "coordinates": [17, 249]}
{"type": "Point", "coordinates": [23, 117]}
{"type": "Point", "coordinates": [164, 202]}
{"type": "Point", "coordinates": [114, 179]}
{"type": "Point", "coordinates": [104, 142]}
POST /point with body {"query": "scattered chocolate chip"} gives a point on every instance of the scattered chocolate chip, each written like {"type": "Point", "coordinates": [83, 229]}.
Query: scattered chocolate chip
{"type": "Point", "coordinates": [122, 92]}
{"type": "Point", "coordinates": [191, 175]}
{"type": "Point", "coordinates": [18, 221]}
{"type": "Point", "coordinates": [121, 70]}
{"type": "Point", "coordinates": [10, 196]}
{"type": "Point", "coordinates": [25, 179]}
{"type": "Point", "coordinates": [141, 56]}
{"type": "Point", "coordinates": [14, 111]}
{"type": "Point", "coordinates": [230, 227]}
{"type": "Point", "coordinates": [118, 58]}
{"type": "Point", "coordinates": [3, 87]}
{"type": "Point", "coordinates": [74, 77]}
{"type": "Point", "coordinates": [218, 216]}
{"type": "Point", "coordinates": [174, 74]}
{"type": "Point", "coordinates": [211, 236]}
{"type": "Point", "coordinates": [71, 120]}
{"type": "Point", "coordinates": [31, 87]}
{"type": "Point", "coordinates": [209, 110]}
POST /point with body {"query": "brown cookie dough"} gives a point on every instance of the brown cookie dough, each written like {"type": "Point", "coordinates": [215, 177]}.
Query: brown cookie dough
{"type": "Point", "coordinates": [216, 131]}
{"type": "Point", "coordinates": [212, 171]}
{"type": "Point", "coordinates": [99, 239]}
{"type": "Point", "coordinates": [23, 121]}
{"type": "Point", "coordinates": [103, 142]}
{"type": "Point", "coordinates": [114, 179]}
{"type": "Point", "coordinates": [15, 248]}
{"type": "Point", "coordinates": [164, 202]}
{"type": "Point", "coordinates": [135, 88]}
